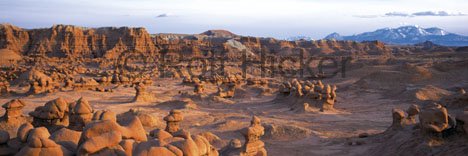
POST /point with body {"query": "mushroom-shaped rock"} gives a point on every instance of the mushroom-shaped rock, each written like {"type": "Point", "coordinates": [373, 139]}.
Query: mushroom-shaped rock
{"type": "Point", "coordinates": [13, 109]}
{"type": "Point", "coordinates": [81, 113]}
{"type": "Point", "coordinates": [412, 111]}
{"type": "Point", "coordinates": [253, 145]}
{"type": "Point", "coordinates": [173, 121]}
{"type": "Point", "coordinates": [53, 115]}
{"type": "Point", "coordinates": [142, 95]}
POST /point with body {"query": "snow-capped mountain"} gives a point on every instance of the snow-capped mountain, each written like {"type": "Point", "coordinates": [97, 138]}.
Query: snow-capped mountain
{"type": "Point", "coordinates": [407, 35]}
{"type": "Point", "coordinates": [335, 36]}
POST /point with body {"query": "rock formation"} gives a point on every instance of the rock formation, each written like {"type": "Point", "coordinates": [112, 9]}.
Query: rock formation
{"type": "Point", "coordinates": [101, 115]}
{"type": "Point", "coordinates": [101, 134]}
{"type": "Point", "coordinates": [412, 111]}
{"type": "Point", "coordinates": [38, 81]}
{"type": "Point", "coordinates": [4, 139]}
{"type": "Point", "coordinates": [253, 146]}
{"type": "Point", "coordinates": [147, 120]}
{"type": "Point", "coordinates": [13, 111]}
{"type": "Point", "coordinates": [4, 88]}
{"type": "Point", "coordinates": [199, 87]}
{"type": "Point", "coordinates": [142, 95]}
{"type": "Point", "coordinates": [67, 138]}
{"type": "Point", "coordinates": [81, 113]}
{"type": "Point", "coordinates": [102, 137]}
{"type": "Point", "coordinates": [226, 91]}
{"type": "Point", "coordinates": [398, 119]}
{"type": "Point", "coordinates": [86, 84]}
{"type": "Point", "coordinates": [53, 115]}
{"type": "Point", "coordinates": [433, 119]}
{"type": "Point", "coordinates": [304, 95]}
{"type": "Point", "coordinates": [73, 41]}
{"type": "Point", "coordinates": [39, 144]}
{"type": "Point", "coordinates": [173, 121]}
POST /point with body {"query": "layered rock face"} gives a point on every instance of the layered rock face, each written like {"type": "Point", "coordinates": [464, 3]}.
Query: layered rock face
{"type": "Point", "coordinates": [110, 42]}
{"type": "Point", "coordinates": [283, 47]}
{"type": "Point", "coordinates": [68, 41]}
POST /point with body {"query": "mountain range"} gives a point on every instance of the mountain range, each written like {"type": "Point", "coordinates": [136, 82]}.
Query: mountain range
{"type": "Point", "coordinates": [405, 35]}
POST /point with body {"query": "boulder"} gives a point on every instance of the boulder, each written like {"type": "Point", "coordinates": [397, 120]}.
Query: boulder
{"type": "Point", "coordinates": [39, 144]}
{"type": "Point", "coordinates": [433, 119]}
{"type": "Point", "coordinates": [67, 138]}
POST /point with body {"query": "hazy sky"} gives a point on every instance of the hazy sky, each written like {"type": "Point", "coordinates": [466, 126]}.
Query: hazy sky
{"type": "Point", "coordinates": [268, 18]}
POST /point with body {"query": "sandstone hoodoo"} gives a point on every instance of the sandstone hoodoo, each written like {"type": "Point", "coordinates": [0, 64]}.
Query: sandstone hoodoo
{"type": "Point", "coordinates": [142, 95]}
{"type": "Point", "coordinates": [301, 96]}
{"type": "Point", "coordinates": [253, 146]}
{"type": "Point", "coordinates": [13, 111]}
{"type": "Point", "coordinates": [53, 115]}
{"type": "Point", "coordinates": [38, 81]}
{"type": "Point", "coordinates": [227, 91]}
{"type": "Point", "coordinates": [173, 121]}
{"type": "Point", "coordinates": [81, 114]}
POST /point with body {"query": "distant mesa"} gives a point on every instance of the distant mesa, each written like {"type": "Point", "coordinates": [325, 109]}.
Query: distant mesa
{"type": "Point", "coordinates": [219, 33]}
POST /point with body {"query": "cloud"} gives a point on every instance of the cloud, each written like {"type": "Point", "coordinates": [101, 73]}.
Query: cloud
{"type": "Point", "coordinates": [164, 15]}
{"type": "Point", "coordinates": [439, 13]}
{"type": "Point", "coordinates": [402, 14]}
{"type": "Point", "coordinates": [415, 14]}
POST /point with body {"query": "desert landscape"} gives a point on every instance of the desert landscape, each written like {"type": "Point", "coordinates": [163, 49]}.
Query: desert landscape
{"type": "Point", "coordinates": [233, 78]}
{"type": "Point", "coordinates": [71, 90]}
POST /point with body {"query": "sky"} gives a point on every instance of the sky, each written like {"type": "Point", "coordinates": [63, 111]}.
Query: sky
{"type": "Point", "coordinates": [265, 18]}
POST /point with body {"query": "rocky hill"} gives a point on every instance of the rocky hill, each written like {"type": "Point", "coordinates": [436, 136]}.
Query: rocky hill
{"type": "Point", "coordinates": [219, 33]}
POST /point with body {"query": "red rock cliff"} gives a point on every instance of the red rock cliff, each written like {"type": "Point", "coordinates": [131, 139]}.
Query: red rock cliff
{"type": "Point", "coordinates": [67, 40]}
